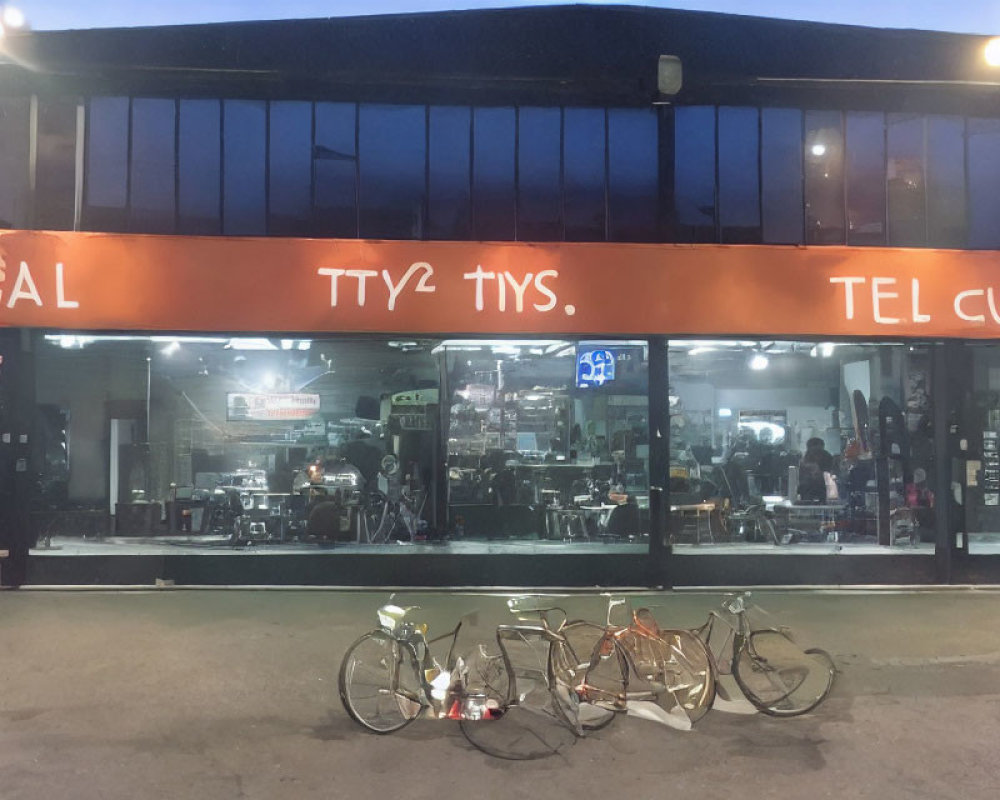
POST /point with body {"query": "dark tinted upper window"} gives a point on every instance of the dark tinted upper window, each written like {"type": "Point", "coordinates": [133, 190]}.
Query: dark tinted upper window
{"type": "Point", "coordinates": [393, 152]}
{"type": "Point", "coordinates": [739, 181]}
{"type": "Point", "coordinates": [694, 173]}
{"type": "Point", "coordinates": [244, 155]}
{"type": "Point", "coordinates": [781, 175]}
{"type": "Point", "coordinates": [493, 173]}
{"type": "Point", "coordinates": [449, 193]}
{"type": "Point", "coordinates": [289, 170]}
{"type": "Point", "coordinates": [335, 168]}
{"type": "Point", "coordinates": [633, 175]}
{"type": "Point", "coordinates": [151, 201]}
{"type": "Point", "coordinates": [584, 170]}
{"type": "Point", "coordinates": [107, 163]}
{"type": "Point", "coordinates": [199, 172]}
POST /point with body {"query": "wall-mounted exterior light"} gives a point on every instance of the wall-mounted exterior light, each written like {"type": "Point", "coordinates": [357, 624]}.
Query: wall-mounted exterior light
{"type": "Point", "coordinates": [992, 52]}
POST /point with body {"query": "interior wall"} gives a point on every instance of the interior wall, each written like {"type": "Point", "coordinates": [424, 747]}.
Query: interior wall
{"type": "Point", "coordinates": [88, 384]}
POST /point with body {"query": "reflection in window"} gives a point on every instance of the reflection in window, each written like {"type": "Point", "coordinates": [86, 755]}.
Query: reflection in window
{"type": "Point", "coordinates": [832, 439]}
{"type": "Point", "coordinates": [584, 164]}
{"type": "Point", "coordinates": [493, 173]}
{"type": "Point", "coordinates": [548, 440]}
{"type": "Point", "coordinates": [694, 173]}
{"type": "Point", "coordinates": [824, 177]}
{"type": "Point", "coordinates": [449, 207]}
{"type": "Point", "coordinates": [984, 176]}
{"type": "Point", "coordinates": [946, 214]}
{"type": "Point", "coordinates": [107, 163]}
{"type": "Point", "coordinates": [14, 163]}
{"type": "Point", "coordinates": [199, 170]}
{"type": "Point", "coordinates": [244, 158]}
{"type": "Point", "coordinates": [151, 205]}
{"type": "Point", "coordinates": [289, 168]}
{"type": "Point", "coordinates": [335, 167]}
{"type": "Point", "coordinates": [739, 185]}
{"type": "Point", "coordinates": [905, 141]}
{"type": "Point", "coordinates": [865, 178]}
{"type": "Point", "coordinates": [539, 214]}
{"type": "Point", "coordinates": [633, 175]}
{"type": "Point", "coordinates": [392, 156]}
{"type": "Point", "coordinates": [781, 175]}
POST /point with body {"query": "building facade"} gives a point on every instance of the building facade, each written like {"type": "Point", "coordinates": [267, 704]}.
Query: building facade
{"type": "Point", "coordinates": [553, 296]}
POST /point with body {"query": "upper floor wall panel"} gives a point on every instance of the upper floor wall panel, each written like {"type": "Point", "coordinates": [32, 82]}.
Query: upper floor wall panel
{"type": "Point", "coordinates": [578, 55]}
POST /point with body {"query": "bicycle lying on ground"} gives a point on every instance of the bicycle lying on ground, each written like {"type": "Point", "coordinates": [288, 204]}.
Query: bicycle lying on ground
{"type": "Point", "coordinates": [774, 673]}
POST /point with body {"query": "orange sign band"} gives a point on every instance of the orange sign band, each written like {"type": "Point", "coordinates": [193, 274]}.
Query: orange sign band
{"type": "Point", "coordinates": [95, 281]}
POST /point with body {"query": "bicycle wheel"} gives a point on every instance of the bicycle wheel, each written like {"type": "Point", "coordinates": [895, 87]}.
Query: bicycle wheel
{"type": "Point", "coordinates": [378, 683]}
{"type": "Point", "coordinates": [523, 725]}
{"type": "Point", "coordinates": [377, 519]}
{"type": "Point", "coordinates": [687, 674]}
{"type": "Point", "coordinates": [779, 677]}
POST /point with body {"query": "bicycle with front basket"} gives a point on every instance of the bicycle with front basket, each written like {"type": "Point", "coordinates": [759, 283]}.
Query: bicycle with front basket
{"type": "Point", "coordinates": [389, 676]}
{"type": "Point", "coordinates": [775, 674]}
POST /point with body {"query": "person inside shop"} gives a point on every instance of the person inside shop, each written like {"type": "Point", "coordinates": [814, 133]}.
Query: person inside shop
{"type": "Point", "coordinates": [860, 471]}
{"type": "Point", "coordinates": [703, 452]}
{"type": "Point", "coordinates": [812, 481]}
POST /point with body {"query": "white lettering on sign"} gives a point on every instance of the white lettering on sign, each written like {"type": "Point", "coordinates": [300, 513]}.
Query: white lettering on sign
{"type": "Point", "coordinates": [915, 294]}
{"type": "Point", "coordinates": [877, 298]}
{"type": "Point", "coordinates": [503, 290]}
{"type": "Point", "coordinates": [959, 309]}
{"type": "Point", "coordinates": [25, 288]}
{"type": "Point", "coordinates": [519, 286]}
{"type": "Point", "coordinates": [426, 271]}
{"type": "Point", "coordinates": [61, 300]}
{"type": "Point", "coordinates": [882, 297]}
{"type": "Point", "coordinates": [361, 276]}
{"type": "Point", "coordinates": [848, 293]}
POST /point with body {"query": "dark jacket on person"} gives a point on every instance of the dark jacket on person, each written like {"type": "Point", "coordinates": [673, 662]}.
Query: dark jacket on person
{"type": "Point", "coordinates": [815, 461]}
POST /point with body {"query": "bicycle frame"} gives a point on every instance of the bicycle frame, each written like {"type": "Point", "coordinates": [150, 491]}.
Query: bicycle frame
{"type": "Point", "coordinates": [736, 637]}
{"type": "Point", "coordinates": [440, 688]}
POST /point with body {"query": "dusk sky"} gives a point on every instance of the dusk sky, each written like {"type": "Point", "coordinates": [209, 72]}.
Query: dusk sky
{"type": "Point", "coordinates": [965, 16]}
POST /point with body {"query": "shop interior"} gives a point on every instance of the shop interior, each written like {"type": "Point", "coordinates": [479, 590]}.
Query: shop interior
{"type": "Point", "coordinates": [786, 443]}
{"type": "Point", "coordinates": [278, 444]}
{"type": "Point", "coordinates": [271, 444]}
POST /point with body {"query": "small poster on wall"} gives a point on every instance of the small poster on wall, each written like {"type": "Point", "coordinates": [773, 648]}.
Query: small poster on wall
{"type": "Point", "coordinates": [242, 406]}
{"type": "Point", "coordinates": [991, 469]}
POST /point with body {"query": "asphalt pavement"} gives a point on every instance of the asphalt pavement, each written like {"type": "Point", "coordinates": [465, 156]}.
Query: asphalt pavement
{"type": "Point", "coordinates": [187, 693]}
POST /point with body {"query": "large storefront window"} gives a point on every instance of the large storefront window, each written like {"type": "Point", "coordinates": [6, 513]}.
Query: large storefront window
{"type": "Point", "coordinates": [153, 442]}
{"type": "Point", "coordinates": [787, 444]}
{"type": "Point", "coordinates": [548, 441]}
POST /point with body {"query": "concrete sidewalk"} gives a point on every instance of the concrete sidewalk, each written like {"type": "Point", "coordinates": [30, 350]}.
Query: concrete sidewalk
{"type": "Point", "coordinates": [232, 694]}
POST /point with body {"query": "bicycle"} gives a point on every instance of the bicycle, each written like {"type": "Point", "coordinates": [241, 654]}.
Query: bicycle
{"type": "Point", "coordinates": [383, 520]}
{"type": "Point", "coordinates": [752, 524]}
{"type": "Point", "coordinates": [541, 711]}
{"type": "Point", "coordinates": [389, 676]}
{"type": "Point", "coordinates": [666, 674]}
{"type": "Point", "coordinates": [622, 667]}
{"type": "Point", "coordinates": [776, 675]}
